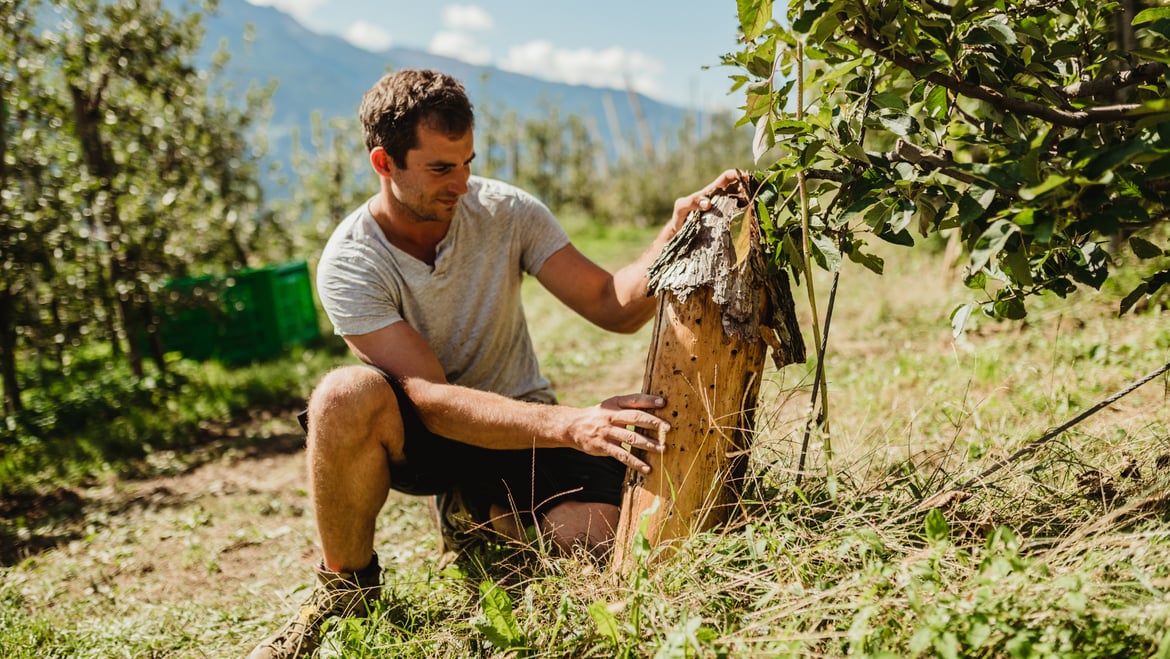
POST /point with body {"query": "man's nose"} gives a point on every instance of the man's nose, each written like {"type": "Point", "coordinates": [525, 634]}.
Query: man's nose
{"type": "Point", "coordinates": [459, 184]}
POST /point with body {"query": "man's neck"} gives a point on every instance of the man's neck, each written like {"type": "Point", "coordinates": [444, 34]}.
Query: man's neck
{"type": "Point", "coordinates": [418, 238]}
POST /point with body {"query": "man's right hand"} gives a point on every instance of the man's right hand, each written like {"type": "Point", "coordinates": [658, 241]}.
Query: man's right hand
{"type": "Point", "coordinates": [604, 428]}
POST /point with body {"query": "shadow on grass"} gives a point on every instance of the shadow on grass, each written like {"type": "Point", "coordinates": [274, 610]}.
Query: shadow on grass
{"type": "Point", "coordinates": [34, 522]}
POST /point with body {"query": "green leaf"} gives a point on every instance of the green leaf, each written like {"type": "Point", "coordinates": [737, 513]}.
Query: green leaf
{"type": "Point", "coordinates": [826, 253]}
{"type": "Point", "coordinates": [1030, 166]}
{"type": "Point", "coordinates": [753, 17]}
{"type": "Point", "coordinates": [898, 123]}
{"type": "Point", "coordinates": [806, 18]}
{"type": "Point", "coordinates": [825, 27]}
{"type": "Point", "coordinates": [1159, 168]}
{"type": "Point", "coordinates": [1157, 281]}
{"type": "Point", "coordinates": [991, 243]}
{"type": "Point", "coordinates": [1109, 159]}
{"type": "Point", "coordinates": [1132, 298]}
{"type": "Point", "coordinates": [809, 155]}
{"type": "Point", "coordinates": [1096, 266]}
{"type": "Point", "coordinates": [1150, 15]}
{"type": "Point", "coordinates": [607, 624]}
{"type": "Point", "coordinates": [959, 318]}
{"type": "Point", "coordinates": [1011, 308]}
{"type": "Point", "coordinates": [1049, 184]}
{"type": "Point", "coordinates": [973, 204]}
{"type": "Point", "coordinates": [902, 237]}
{"type": "Point", "coordinates": [501, 628]}
{"type": "Point", "coordinates": [1016, 263]}
{"type": "Point", "coordinates": [936, 102]}
{"type": "Point", "coordinates": [936, 526]}
{"type": "Point", "coordinates": [1000, 31]}
{"type": "Point", "coordinates": [763, 139]}
{"type": "Point", "coordinates": [853, 150]}
{"type": "Point", "coordinates": [1061, 286]}
{"type": "Point", "coordinates": [889, 100]}
{"type": "Point", "coordinates": [872, 262]}
{"type": "Point", "coordinates": [1144, 249]}
{"type": "Point", "coordinates": [1151, 54]}
{"type": "Point", "coordinates": [791, 127]}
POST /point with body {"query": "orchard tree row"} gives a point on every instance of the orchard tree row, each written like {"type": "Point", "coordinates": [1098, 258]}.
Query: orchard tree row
{"type": "Point", "coordinates": [119, 168]}
{"type": "Point", "coordinates": [124, 165]}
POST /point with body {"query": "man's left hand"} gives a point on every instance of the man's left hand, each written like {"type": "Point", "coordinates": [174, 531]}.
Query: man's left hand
{"type": "Point", "coordinates": [700, 200]}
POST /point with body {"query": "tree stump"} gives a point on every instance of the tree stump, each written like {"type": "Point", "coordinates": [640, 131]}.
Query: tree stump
{"type": "Point", "coordinates": [718, 312]}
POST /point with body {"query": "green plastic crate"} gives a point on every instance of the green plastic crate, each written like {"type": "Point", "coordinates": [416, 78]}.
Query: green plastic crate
{"type": "Point", "coordinates": [247, 316]}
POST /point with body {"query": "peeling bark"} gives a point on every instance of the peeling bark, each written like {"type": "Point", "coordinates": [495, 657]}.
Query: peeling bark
{"type": "Point", "coordinates": [719, 311]}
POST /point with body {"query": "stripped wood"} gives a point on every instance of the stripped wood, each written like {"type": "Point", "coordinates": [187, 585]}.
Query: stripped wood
{"type": "Point", "coordinates": [718, 313]}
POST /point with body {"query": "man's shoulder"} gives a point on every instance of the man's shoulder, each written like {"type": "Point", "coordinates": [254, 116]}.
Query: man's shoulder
{"type": "Point", "coordinates": [352, 227]}
{"type": "Point", "coordinates": [494, 195]}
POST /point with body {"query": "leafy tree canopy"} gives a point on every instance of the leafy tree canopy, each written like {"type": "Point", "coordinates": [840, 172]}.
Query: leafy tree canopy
{"type": "Point", "coordinates": [1039, 130]}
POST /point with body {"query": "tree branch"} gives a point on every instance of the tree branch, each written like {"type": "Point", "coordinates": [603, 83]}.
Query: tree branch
{"type": "Point", "coordinates": [825, 175]}
{"type": "Point", "coordinates": [913, 154]}
{"type": "Point", "coordinates": [1102, 86]}
{"type": "Point", "coordinates": [1070, 118]}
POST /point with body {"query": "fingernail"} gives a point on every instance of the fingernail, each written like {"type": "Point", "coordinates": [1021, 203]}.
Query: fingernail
{"type": "Point", "coordinates": [659, 401]}
{"type": "Point", "coordinates": [646, 469]}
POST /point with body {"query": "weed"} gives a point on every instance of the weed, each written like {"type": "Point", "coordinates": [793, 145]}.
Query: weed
{"type": "Point", "coordinates": [1063, 552]}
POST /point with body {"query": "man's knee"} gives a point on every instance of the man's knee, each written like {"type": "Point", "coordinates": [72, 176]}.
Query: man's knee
{"type": "Point", "coordinates": [354, 403]}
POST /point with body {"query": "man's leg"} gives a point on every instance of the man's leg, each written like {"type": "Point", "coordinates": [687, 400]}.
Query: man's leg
{"type": "Point", "coordinates": [590, 526]}
{"type": "Point", "coordinates": [355, 430]}
{"type": "Point", "coordinates": [570, 525]}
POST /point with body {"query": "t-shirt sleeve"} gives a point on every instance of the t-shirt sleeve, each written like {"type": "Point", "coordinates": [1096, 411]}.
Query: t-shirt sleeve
{"type": "Point", "coordinates": [538, 231]}
{"type": "Point", "coordinates": [354, 292]}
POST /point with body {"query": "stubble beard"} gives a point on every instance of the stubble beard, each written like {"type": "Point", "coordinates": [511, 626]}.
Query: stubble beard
{"type": "Point", "coordinates": [435, 211]}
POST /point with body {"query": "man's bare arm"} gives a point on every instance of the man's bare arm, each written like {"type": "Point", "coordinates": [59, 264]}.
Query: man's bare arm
{"type": "Point", "coordinates": [618, 301]}
{"type": "Point", "coordinates": [494, 421]}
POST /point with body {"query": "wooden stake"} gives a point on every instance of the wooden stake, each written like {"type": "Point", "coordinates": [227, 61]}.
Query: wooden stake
{"type": "Point", "coordinates": [717, 316]}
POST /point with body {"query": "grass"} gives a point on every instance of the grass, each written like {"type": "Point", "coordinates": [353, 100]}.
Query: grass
{"type": "Point", "coordinates": [98, 419]}
{"type": "Point", "coordinates": [1063, 553]}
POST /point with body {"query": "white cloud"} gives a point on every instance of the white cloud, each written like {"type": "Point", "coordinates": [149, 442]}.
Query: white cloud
{"type": "Point", "coordinates": [368, 36]}
{"type": "Point", "coordinates": [466, 17]}
{"type": "Point", "coordinates": [298, 9]}
{"type": "Point", "coordinates": [460, 46]}
{"type": "Point", "coordinates": [613, 67]}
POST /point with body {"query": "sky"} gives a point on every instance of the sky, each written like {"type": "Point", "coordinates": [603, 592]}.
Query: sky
{"type": "Point", "coordinates": [659, 47]}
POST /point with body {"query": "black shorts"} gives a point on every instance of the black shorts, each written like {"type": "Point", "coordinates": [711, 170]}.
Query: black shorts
{"type": "Point", "coordinates": [517, 479]}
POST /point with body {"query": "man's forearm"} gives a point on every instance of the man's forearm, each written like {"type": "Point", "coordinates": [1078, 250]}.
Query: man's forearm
{"type": "Point", "coordinates": [483, 418]}
{"type": "Point", "coordinates": [631, 282]}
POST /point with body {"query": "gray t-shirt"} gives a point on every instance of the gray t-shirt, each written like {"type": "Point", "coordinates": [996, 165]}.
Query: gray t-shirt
{"type": "Point", "coordinates": [467, 307]}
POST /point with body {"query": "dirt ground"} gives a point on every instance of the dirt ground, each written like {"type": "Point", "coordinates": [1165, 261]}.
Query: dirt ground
{"type": "Point", "coordinates": [230, 535]}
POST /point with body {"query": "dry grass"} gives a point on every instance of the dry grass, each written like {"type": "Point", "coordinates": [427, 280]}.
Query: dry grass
{"type": "Point", "coordinates": [1062, 553]}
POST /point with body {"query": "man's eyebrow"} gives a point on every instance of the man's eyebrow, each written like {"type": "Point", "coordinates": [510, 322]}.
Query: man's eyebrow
{"type": "Point", "coordinates": [445, 163]}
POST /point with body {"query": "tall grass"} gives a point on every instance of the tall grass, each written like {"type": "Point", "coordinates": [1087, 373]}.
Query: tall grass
{"type": "Point", "coordinates": [1062, 553]}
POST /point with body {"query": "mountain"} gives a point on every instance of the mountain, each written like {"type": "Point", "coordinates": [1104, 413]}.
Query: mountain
{"type": "Point", "coordinates": [325, 74]}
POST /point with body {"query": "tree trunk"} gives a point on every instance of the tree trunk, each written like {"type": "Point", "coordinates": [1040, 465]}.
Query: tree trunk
{"type": "Point", "coordinates": [717, 316]}
{"type": "Point", "coordinates": [88, 117]}
{"type": "Point", "coordinates": [12, 400]}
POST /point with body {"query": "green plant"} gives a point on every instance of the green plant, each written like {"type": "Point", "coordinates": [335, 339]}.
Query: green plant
{"type": "Point", "coordinates": [1027, 130]}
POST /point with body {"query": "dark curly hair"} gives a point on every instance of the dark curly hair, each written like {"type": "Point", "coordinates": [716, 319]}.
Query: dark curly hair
{"type": "Point", "coordinates": [394, 107]}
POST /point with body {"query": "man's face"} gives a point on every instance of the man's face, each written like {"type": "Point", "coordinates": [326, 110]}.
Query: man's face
{"type": "Point", "coordinates": [435, 176]}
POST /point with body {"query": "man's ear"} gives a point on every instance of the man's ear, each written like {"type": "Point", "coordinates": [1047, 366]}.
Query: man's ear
{"type": "Point", "coordinates": [380, 161]}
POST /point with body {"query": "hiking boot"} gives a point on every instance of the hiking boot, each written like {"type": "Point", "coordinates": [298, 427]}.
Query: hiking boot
{"type": "Point", "coordinates": [459, 526]}
{"type": "Point", "coordinates": [338, 594]}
